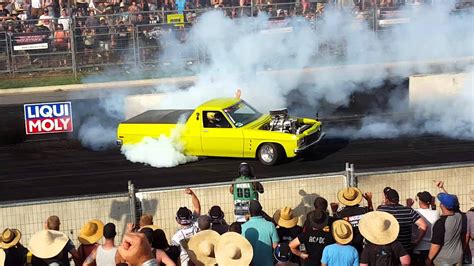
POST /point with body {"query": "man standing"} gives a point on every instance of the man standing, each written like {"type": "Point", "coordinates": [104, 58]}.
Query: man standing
{"type": "Point", "coordinates": [261, 234]}
{"type": "Point", "coordinates": [105, 254]}
{"type": "Point", "coordinates": [244, 192]}
{"type": "Point", "coordinates": [351, 197]}
{"type": "Point", "coordinates": [406, 217]}
{"type": "Point", "coordinates": [449, 233]}
{"type": "Point", "coordinates": [187, 220]}
{"type": "Point", "coordinates": [420, 252]}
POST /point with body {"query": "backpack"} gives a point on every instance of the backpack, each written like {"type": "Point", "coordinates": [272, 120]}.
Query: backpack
{"type": "Point", "coordinates": [384, 256]}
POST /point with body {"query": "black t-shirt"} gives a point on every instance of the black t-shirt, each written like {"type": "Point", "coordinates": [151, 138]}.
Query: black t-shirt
{"type": "Point", "coordinates": [369, 255]}
{"type": "Point", "coordinates": [353, 214]}
{"type": "Point", "coordinates": [315, 241]}
{"type": "Point", "coordinates": [288, 234]}
{"type": "Point", "coordinates": [15, 256]}
{"type": "Point", "coordinates": [220, 227]}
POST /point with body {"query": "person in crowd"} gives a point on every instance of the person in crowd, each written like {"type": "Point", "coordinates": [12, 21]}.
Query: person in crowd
{"type": "Point", "coordinates": [218, 222]}
{"type": "Point", "coordinates": [51, 247]}
{"type": "Point", "coordinates": [105, 254]}
{"type": "Point", "coordinates": [261, 234]}
{"type": "Point", "coordinates": [36, 9]}
{"type": "Point", "coordinates": [145, 219]}
{"type": "Point", "coordinates": [449, 238]}
{"type": "Point", "coordinates": [380, 230]}
{"type": "Point", "coordinates": [91, 232]}
{"type": "Point", "coordinates": [406, 217]}
{"type": "Point", "coordinates": [91, 20]}
{"type": "Point", "coordinates": [244, 192]}
{"type": "Point", "coordinates": [39, 245]}
{"type": "Point", "coordinates": [14, 252]}
{"type": "Point", "coordinates": [469, 253]}
{"type": "Point", "coordinates": [136, 250]}
{"type": "Point", "coordinates": [235, 227]}
{"type": "Point", "coordinates": [287, 227]}
{"type": "Point", "coordinates": [201, 247]}
{"type": "Point", "coordinates": [204, 222]}
{"type": "Point", "coordinates": [163, 249]}
{"type": "Point", "coordinates": [234, 249]}
{"type": "Point", "coordinates": [351, 198]}
{"type": "Point", "coordinates": [321, 204]}
{"type": "Point", "coordinates": [64, 19]}
{"type": "Point", "coordinates": [310, 244]}
{"type": "Point", "coordinates": [420, 251]}
{"type": "Point", "coordinates": [341, 253]}
{"type": "Point", "coordinates": [88, 36]}
{"type": "Point", "coordinates": [283, 255]}
{"type": "Point", "coordinates": [61, 43]}
{"type": "Point", "coordinates": [187, 220]}
{"type": "Point", "coordinates": [160, 256]}
{"type": "Point", "coordinates": [46, 19]}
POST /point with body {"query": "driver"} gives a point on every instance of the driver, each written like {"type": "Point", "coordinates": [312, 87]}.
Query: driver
{"type": "Point", "coordinates": [214, 119]}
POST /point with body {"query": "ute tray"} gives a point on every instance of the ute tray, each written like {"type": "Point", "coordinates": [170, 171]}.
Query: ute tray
{"type": "Point", "coordinates": [160, 117]}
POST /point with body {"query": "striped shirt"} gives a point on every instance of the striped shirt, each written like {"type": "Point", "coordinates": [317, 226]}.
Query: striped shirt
{"type": "Point", "coordinates": [406, 218]}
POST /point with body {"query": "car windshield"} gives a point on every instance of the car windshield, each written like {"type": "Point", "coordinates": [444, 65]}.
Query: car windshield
{"type": "Point", "coordinates": [241, 114]}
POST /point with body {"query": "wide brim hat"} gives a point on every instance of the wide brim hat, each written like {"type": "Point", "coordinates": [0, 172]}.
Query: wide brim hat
{"type": "Point", "coordinates": [2, 257]}
{"type": "Point", "coordinates": [285, 218]}
{"type": "Point", "coordinates": [91, 232]}
{"type": "Point", "coordinates": [380, 228]}
{"type": "Point", "coordinates": [342, 232]}
{"type": "Point", "coordinates": [202, 247]}
{"type": "Point", "coordinates": [233, 250]}
{"type": "Point", "coordinates": [14, 236]}
{"type": "Point", "coordinates": [46, 244]}
{"type": "Point", "coordinates": [350, 196]}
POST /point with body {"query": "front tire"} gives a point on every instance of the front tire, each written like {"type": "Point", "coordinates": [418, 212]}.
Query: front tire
{"type": "Point", "coordinates": [270, 153]}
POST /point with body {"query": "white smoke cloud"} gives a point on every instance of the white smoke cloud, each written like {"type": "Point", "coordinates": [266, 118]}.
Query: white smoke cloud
{"type": "Point", "coordinates": [238, 55]}
{"type": "Point", "coordinates": [165, 151]}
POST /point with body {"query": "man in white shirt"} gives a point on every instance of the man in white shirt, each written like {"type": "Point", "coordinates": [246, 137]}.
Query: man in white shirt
{"type": "Point", "coordinates": [187, 221]}
{"type": "Point", "coordinates": [64, 19]}
{"type": "Point", "coordinates": [36, 9]}
{"type": "Point", "coordinates": [420, 252]}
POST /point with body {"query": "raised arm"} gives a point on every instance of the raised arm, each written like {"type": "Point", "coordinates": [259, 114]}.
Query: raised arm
{"type": "Point", "coordinates": [196, 202]}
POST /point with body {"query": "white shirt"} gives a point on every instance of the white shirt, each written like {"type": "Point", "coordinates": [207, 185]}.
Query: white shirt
{"type": "Point", "coordinates": [430, 217]}
{"type": "Point", "coordinates": [105, 257]}
{"type": "Point", "coordinates": [64, 21]}
{"type": "Point", "coordinates": [181, 238]}
{"type": "Point", "coordinates": [36, 3]}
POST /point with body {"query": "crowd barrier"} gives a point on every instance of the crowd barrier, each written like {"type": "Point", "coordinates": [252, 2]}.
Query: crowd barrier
{"type": "Point", "coordinates": [297, 192]}
{"type": "Point", "coordinates": [130, 39]}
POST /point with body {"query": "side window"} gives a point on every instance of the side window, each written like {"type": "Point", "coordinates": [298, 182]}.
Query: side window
{"type": "Point", "coordinates": [214, 119]}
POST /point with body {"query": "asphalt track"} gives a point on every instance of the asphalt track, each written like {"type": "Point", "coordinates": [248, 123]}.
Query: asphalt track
{"type": "Point", "coordinates": [50, 169]}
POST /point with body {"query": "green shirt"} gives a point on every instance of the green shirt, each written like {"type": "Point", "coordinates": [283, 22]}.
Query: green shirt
{"type": "Point", "coordinates": [244, 191]}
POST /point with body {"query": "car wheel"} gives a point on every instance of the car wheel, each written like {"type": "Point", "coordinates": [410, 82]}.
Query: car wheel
{"type": "Point", "coordinates": [269, 153]}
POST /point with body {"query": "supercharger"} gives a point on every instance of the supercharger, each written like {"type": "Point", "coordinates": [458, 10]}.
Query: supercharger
{"type": "Point", "coordinates": [281, 122]}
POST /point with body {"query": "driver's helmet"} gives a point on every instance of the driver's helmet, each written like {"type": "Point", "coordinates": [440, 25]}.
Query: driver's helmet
{"type": "Point", "coordinates": [213, 117]}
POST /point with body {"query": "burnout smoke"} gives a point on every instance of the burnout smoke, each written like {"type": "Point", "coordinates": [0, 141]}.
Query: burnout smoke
{"type": "Point", "coordinates": [164, 151]}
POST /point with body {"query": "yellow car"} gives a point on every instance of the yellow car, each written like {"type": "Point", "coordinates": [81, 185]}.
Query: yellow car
{"type": "Point", "coordinates": [227, 127]}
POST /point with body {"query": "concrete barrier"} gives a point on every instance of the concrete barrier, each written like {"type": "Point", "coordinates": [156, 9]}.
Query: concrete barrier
{"type": "Point", "coordinates": [425, 87]}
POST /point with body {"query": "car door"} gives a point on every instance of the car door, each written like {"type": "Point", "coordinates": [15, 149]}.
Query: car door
{"type": "Point", "coordinates": [222, 139]}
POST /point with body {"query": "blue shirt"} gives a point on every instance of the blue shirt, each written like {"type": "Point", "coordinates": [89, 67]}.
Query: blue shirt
{"type": "Point", "coordinates": [340, 255]}
{"type": "Point", "coordinates": [262, 235]}
{"type": "Point", "coordinates": [180, 5]}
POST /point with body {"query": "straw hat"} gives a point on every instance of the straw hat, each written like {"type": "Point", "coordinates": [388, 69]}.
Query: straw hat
{"type": "Point", "coordinates": [233, 250]}
{"type": "Point", "coordinates": [350, 196]}
{"type": "Point", "coordinates": [201, 247]}
{"type": "Point", "coordinates": [9, 238]}
{"type": "Point", "coordinates": [285, 218]}
{"type": "Point", "coordinates": [378, 227]}
{"type": "Point", "coordinates": [91, 232]}
{"type": "Point", "coordinates": [342, 232]}
{"type": "Point", "coordinates": [46, 244]}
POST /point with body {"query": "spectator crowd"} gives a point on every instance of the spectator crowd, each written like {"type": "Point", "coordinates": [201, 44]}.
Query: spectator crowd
{"type": "Point", "coordinates": [349, 234]}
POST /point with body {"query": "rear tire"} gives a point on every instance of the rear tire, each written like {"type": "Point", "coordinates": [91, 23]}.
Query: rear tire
{"type": "Point", "coordinates": [270, 153]}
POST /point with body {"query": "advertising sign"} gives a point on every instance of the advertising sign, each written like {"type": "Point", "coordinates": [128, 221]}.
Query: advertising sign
{"type": "Point", "coordinates": [45, 118]}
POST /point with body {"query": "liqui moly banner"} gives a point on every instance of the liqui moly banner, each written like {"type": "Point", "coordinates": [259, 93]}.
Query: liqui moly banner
{"type": "Point", "coordinates": [44, 118]}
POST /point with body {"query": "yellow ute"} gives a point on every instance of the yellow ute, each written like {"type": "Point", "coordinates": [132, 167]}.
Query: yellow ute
{"type": "Point", "coordinates": [227, 127]}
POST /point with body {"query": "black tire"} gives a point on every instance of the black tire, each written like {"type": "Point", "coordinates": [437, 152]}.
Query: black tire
{"type": "Point", "coordinates": [270, 153]}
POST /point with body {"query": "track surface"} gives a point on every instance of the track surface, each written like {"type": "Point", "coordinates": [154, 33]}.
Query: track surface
{"type": "Point", "coordinates": [62, 168]}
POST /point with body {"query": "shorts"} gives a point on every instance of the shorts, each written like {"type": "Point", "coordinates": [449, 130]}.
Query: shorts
{"type": "Point", "coordinates": [104, 46]}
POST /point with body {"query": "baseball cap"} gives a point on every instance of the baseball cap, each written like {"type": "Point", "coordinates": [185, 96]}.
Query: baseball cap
{"type": "Point", "coordinates": [184, 216]}
{"type": "Point", "coordinates": [449, 201]}
{"type": "Point", "coordinates": [282, 252]}
{"type": "Point", "coordinates": [255, 206]}
{"type": "Point", "coordinates": [424, 196]}
{"type": "Point", "coordinates": [391, 194]}
{"type": "Point", "coordinates": [109, 230]}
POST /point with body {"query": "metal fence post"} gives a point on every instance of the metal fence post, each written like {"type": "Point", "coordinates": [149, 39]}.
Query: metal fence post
{"type": "Point", "coordinates": [350, 178]}
{"type": "Point", "coordinates": [132, 201]}
{"type": "Point", "coordinates": [72, 34]}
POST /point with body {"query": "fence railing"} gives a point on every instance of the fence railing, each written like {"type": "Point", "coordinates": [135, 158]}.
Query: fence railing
{"type": "Point", "coordinates": [80, 42]}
